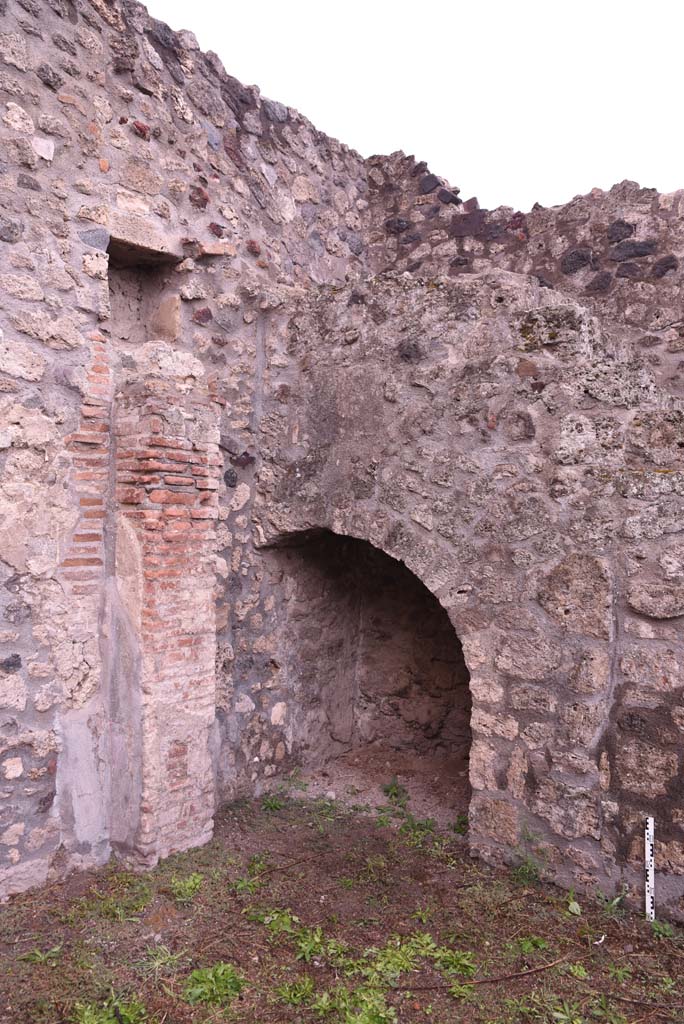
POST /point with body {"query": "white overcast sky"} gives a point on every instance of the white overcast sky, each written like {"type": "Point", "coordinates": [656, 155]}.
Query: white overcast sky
{"type": "Point", "coordinates": [515, 102]}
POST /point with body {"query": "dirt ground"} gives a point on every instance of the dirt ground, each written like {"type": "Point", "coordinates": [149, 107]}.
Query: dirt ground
{"type": "Point", "coordinates": [303, 910]}
{"type": "Point", "coordinates": [436, 787]}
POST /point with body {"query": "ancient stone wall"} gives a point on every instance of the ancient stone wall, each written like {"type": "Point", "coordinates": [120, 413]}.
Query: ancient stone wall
{"type": "Point", "coordinates": [492, 435]}
{"type": "Point", "coordinates": [221, 330]}
{"type": "Point", "coordinates": [121, 141]}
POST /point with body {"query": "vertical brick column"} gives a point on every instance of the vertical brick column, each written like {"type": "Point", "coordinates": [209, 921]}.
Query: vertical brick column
{"type": "Point", "coordinates": [167, 470]}
{"type": "Point", "coordinates": [83, 562]}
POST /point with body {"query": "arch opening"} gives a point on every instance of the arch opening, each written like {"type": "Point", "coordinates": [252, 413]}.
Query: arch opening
{"type": "Point", "coordinates": [380, 684]}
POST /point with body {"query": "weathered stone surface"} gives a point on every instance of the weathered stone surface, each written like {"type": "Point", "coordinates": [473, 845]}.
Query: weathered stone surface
{"type": "Point", "coordinates": [576, 593]}
{"type": "Point", "coordinates": [650, 670]}
{"type": "Point", "coordinates": [14, 50]}
{"type": "Point", "coordinates": [657, 600]}
{"type": "Point", "coordinates": [18, 360]}
{"type": "Point", "coordinates": [592, 674]}
{"type": "Point", "coordinates": [633, 249]}
{"type": "Point", "coordinates": [571, 811]}
{"type": "Point", "coordinates": [643, 769]}
{"type": "Point", "coordinates": [528, 657]}
{"type": "Point", "coordinates": [575, 260]}
{"type": "Point", "coordinates": [619, 230]}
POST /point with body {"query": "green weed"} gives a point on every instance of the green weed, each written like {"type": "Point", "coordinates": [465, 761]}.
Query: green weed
{"type": "Point", "coordinates": [602, 1010]}
{"type": "Point", "coordinates": [114, 1011]}
{"type": "Point", "coordinates": [530, 944]}
{"type": "Point", "coordinates": [272, 802]}
{"type": "Point", "coordinates": [159, 961]}
{"type": "Point", "coordinates": [613, 906]}
{"type": "Point", "coordinates": [296, 993]}
{"type": "Point", "coordinates": [216, 986]}
{"type": "Point", "coordinates": [396, 793]}
{"type": "Point", "coordinates": [310, 943]}
{"type": "Point", "coordinates": [567, 1013]}
{"type": "Point", "coordinates": [125, 905]}
{"type": "Point", "coordinates": [619, 974]}
{"type": "Point", "coordinates": [460, 826]}
{"type": "Point", "coordinates": [578, 971]}
{"type": "Point", "coordinates": [526, 871]}
{"type": "Point", "coordinates": [49, 958]}
{"type": "Point", "coordinates": [662, 930]}
{"type": "Point", "coordinates": [185, 889]}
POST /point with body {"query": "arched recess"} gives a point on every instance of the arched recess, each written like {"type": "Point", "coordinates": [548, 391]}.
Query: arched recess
{"type": "Point", "coordinates": [379, 682]}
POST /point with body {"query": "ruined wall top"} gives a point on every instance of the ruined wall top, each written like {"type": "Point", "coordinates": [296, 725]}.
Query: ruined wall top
{"type": "Point", "coordinates": [161, 145]}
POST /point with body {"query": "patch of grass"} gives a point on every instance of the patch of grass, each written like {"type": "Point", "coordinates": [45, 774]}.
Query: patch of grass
{"type": "Point", "coordinates": [185, 889]}
{"type": "Point", "coordinates": [662, 930]}
{"type": "Point", "coordinates": [613, 906]}
{"type": "Point", "coordinates": [603, 1011]}
{"type": "Point", "coordinates": [37, 956]}
{"type": "Point", "coordinates": [454, 961]}
{"type": "Point", "coordinates": [272, 802]}
{"type": "Point", "coordinates": [396, 793]}
{"type": "Point", "coordinates": [115, 1011]}
{"type": "Point", "coordinates": [214, 986]}
{"type": "Point", "coordinates": [363, 1005]}
{"type": "Point", "coordinates": [619, 974]}
{"type": "Point", "coordinates": [458, 991]}
{"type": "Point", "coordinates": [277, 921]}
{"type": "Point", "coordinates": [129, 898]}
{"type": "Point", "coordinates": [460, 826]}
{"type": "Point", "coordinates": [388, 943]}
{"type": "Point", "coordinates": [417, 831]}
{"type": "Point", "coordinates": [160, 961]}
{"type": "Point", "coordinates": [578, 971]}
{"type": "Point", "coordinates": [527, 871]}
{"type": "Point", "coordinates": [246, 886]}
{"type": "Point", "coordinates": [375, 869]}
{"type": "Point", "coordinates": [567, 1013]}
{"type": "Point", "coordinates": [310, 943]}
{"type": "Point", "coordinates": [296, 993]}
{"type": "Point", "coordinates": [531, 944]}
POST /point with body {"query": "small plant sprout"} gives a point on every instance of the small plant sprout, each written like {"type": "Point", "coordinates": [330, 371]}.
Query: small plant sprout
{"type": "Point", "coordinates": [458, 991]}
{"type": "Point", "coordinates": [310, 943]}
{"type": "Point", "coordinates": [257, 865]}
{"type": "Point", "coordinates": [272, 802]}
{"type": "Point", "coordinates": [603, 1011]}
{"type": "Point", "coordinates": [185, 889]}
{"type": "Point", "coordinates": [620, 974]}
{"type": "Point", "coordinates": [460, 826]}
{"type": "Point", "coordinates": [159, 961]}
{"type": "Point", "coordinates": [215, 986]}
{"type": "Point", "coordinates": [578, 971]}
{"type": "Point", "coordinates": [115, 1011]}
{"type": "Point", "coordinates": [567, 1013]}
{"type": "Point", "coordinates": [526, 871]}
{"type": "Point", "coordinates": [662, 930]}
{"type": "Point", "coordinates": [296, 993]}
{"type": "Point", "coordinates": [396, 793]}
{"type": "Point", "coordinates": [613, 905]}
{"type": "Point", "coordinates": [531, 943]}
{"type": "Point", "coordinates": [36, 956]}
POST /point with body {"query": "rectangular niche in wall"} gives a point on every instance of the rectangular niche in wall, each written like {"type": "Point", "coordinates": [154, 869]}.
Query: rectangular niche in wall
{"type": "Point", "coordinates": [162, 634]}
{"type": "Point", "coordinates": [143, 303]}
